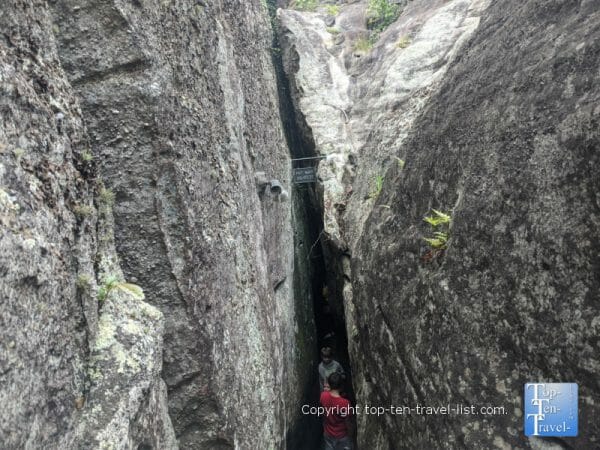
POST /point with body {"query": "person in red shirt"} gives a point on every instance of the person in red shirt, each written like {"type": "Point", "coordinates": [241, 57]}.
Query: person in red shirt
{"type": "Point", "coordinates": [338, 411]}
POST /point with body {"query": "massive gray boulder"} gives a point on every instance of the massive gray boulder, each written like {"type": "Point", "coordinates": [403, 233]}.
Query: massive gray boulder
{"type": "Point", "coordinates": [170, 110]}
{"type": "Point", "coordinates": [74, 372]}
{"type": "Point", "coordinates": [498, 128]}
{"type": "Point", "coordinates": [181, 106]}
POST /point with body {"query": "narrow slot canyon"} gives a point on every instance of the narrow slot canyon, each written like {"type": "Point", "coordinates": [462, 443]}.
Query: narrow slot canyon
{"type": "Point", "coordinates": [313, 247]}
{"type": "Point", "coordinates": [328, 326]}
{"type": "Point", "coordinates": [198, 196]}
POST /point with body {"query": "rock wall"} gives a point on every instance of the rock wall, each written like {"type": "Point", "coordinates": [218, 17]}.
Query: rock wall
{"type": "Point", "coordinates": [38, 287]}
{"type": "Point", "coordinates": [358, 104]}
{"type": "Point", "coordinates": [488, 113]}
{"type": "Point", "coordinates": [74, 372]}
{"type": "Point", "coordinates": [168, 110]}
{"type": "Point", "coordinates": [180, 102]}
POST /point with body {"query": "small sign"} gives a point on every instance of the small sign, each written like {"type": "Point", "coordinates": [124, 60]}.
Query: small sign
{"type": "Point", "coordinates": [305, 175]}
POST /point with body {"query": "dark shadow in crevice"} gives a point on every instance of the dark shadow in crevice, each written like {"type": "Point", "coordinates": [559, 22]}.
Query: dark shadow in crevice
{"type": "Point", "coordinates": [323, 261]}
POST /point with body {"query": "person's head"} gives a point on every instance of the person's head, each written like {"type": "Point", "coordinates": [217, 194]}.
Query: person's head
{"type": "Point", "coordinates": [326, 355]}
{"type": "Point", "coordinates": [335, 381]}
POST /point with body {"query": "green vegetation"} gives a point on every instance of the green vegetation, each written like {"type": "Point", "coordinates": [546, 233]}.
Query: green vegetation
{"type": "Point", "coordinates": [363, 45]}
{"type": "Point", "coordinates": [86, 156]}
{"type": "Point", "coordinates": [83, 211]}
{"type": "Point", "coordinates": [403, 42]}
{"type": "Point", "coordinates": [112, 282]}
{"type": "Point", "coordinates": [439, 241]}
{"type": "Point", "coordinates": [401, 163]}
{"type": "Point", "coordinates": [377, 186]}
{"type": "Point", "coordinates": [304, 5]}
{"type": "Point", "coordinates": [438, 218]}
{"type": "Point", "coordinates": [333, 10]}
{"type": "Point", "coordinates": [381, 13]}
{"type": "Point", "coordinates": [440, 223]}
{"type": "Point", "coordinates": [333, 30]}
{"type": "Point", "coordinates": [107, 197]}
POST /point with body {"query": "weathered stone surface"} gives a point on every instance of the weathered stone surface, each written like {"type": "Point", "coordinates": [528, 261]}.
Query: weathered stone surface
{"type": "Point", "coordinates": [359, 104]}
{"type": "Point", "coordinates": [43, 328]}
{"type": "Point", "coordinates": [180, 102]}
{"type": "Point", "coordinates": [509, 146]}
{"type": "Point", "coordinates": [501, 130]}
{"type": "Point", "coordinates": [127, 399]}
{"type": "Point", "coordinates": [68, 378]}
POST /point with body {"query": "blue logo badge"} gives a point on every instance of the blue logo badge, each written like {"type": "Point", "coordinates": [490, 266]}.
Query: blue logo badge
{"type": "Point", "coordinates": [550, 409]}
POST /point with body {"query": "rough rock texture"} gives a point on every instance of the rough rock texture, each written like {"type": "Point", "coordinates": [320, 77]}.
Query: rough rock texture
{"type": "Point", "coordinates": [359, 104]}
{"type": "Point", "coordinates": [44, 341]}
{"type": "Point", "coordinates": [58, 358]}
{"type": "Point", "coordinates": [505, 138]}
{"type": "Point", "coordinates": [180, 102]}
{"type": "Point", "coordinates": [127, 399]}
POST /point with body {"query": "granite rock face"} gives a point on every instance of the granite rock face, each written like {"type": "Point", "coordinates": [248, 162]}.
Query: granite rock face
{"type": "Point", "coordinates": [169, 110]}
{"type": "Point", "coordinates": [181, 106]}
{"type": "Point", "coordinates": [126, 402]}
{"type": "Point", "coordinates": [44, 341]}
{"type": "Point", "coordinates": [136, 138]}
{"type": "Point", "coordinates": [358, 96]}
{"type": "Point", "coordinates": [500, 130]}
{"type": "Point", "coordinates": [73, 373]}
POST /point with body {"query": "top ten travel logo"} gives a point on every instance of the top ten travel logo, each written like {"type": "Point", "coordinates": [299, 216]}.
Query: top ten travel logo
{"type": "Point", "coordinates": [551, 409]}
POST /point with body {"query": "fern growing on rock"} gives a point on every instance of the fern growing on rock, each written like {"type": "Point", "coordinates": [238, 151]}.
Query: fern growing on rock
{"type": "Point", "coordinates": [440, 224]}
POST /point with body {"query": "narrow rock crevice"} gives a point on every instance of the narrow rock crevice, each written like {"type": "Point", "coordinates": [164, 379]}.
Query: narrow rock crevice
{"type": "Point", "coordinates": [179, 112]}
{"type": "Point", "coordinates": [313, 249]}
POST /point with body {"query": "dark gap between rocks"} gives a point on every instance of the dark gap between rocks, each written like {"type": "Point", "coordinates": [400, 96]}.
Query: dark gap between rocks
{"type": "Point", "coordinates": [323, 260]}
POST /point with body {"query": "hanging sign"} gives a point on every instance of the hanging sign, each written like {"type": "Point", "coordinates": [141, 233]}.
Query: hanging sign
{"type": "Point", "coordinates": [305, 175]}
